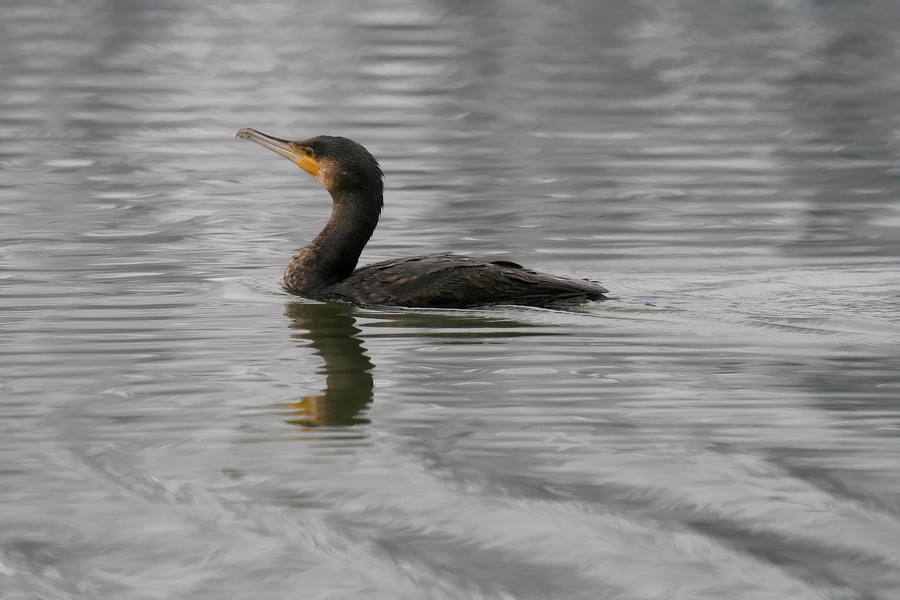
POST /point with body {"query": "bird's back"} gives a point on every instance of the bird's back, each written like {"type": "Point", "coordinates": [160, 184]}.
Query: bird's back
{"type": "Point", "coordinates": [451, 281]}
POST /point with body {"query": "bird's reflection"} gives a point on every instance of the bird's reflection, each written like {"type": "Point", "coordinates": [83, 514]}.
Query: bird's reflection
{"type": "Point", "coordinates": [331, 331]}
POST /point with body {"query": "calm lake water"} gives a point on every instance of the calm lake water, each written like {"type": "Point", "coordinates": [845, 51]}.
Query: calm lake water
{"type": "Point", "coordinates": [727, 426]}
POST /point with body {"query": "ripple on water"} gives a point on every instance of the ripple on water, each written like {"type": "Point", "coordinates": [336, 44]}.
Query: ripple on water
{"type": "Point", "coordinates": [723, 427]}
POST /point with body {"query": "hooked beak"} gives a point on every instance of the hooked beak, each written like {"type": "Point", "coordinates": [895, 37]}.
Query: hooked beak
{"type": "Point", "coordinates": [292, 151]}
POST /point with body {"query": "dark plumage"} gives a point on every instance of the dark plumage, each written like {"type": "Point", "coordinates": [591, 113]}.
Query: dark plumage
{"type": "Point", "coordinates": [326, 267]}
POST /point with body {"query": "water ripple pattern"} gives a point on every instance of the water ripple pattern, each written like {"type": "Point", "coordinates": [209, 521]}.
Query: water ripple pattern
{"type": "Point", "coordinates": [174, 425]}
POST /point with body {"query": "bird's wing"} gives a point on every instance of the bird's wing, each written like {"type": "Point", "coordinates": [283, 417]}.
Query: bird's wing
{"type": "Point", "coordinates": [446, 280]}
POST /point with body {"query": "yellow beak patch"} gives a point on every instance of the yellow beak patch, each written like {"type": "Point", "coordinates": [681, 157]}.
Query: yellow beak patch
{"type": "Point", "coordinates": [302, 156]}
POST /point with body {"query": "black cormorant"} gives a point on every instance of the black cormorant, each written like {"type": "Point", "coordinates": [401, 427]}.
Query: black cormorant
{"type": "Point", "coordinates": [326, 267]}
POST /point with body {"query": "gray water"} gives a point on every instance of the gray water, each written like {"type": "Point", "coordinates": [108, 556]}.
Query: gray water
{"type": "Point", "coordinates": [173, 425]}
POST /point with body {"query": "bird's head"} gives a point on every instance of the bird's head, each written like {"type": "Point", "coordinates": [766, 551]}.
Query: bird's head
{"type": "Point", "coordinates": [339, 164]}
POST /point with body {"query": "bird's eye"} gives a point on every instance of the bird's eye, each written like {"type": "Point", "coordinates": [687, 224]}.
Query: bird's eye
{"type": "Point", "coordinates": [310, 152]}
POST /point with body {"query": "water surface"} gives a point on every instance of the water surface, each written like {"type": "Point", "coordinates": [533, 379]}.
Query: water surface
{"type": "Point", "coordinates": [174, 425]}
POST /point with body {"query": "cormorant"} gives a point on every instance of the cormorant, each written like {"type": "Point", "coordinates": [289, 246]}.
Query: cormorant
{"type": "Point", "coordinates": [326, 267]}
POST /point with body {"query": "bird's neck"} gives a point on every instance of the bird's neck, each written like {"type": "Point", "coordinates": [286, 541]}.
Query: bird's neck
{"type": "Point", "coordinates": [333, 254]}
